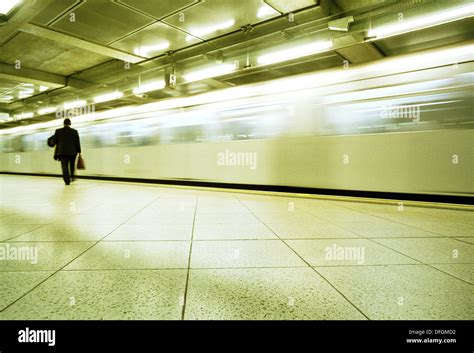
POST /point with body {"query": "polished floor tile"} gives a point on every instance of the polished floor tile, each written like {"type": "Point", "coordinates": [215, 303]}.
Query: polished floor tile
{"type": "Point", "coordinates": [134, 255]}
{"type": "Point", "coordinates": [444, 227]}
{"type": "Point", "coordinates": [316, 229]}
{"type": "Point", "coordinates": [116, 250]}
{"type": "Point", "coordinates": [39, 256]}
{"type": "Point", "coordinates": [385, 229]}
{"type": "Point", "coordinates": [343, 252]}
{"type": "Point", "coordinates": [245, 253]}
{"type": "Point", "coordinates": [403, 292]}
{"type": "Point", "coordinates": [433, 250]}
{"type": "Point", "coordinates": [104, 295]}
{"type": "Point", "coordinates": [265, 294]}
{"type": "Point", "coordinates": [151, 232]}
{"type": "Point", "coordinates": [227, 231]}
{"type": "Point", "coordinates": [9, 231]}
{"type": "Point", "coordinates": [16, 284]}
{"type": "Point", "coordinates": [469, 240]}
{"type": "Point", "coordinates": [67, 232]}
{"type": "Point", "coordinates": [464, 272]}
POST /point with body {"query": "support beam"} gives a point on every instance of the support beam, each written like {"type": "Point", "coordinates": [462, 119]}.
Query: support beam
{"type": "Point", "coordinates": [79, 43]}
{"type": "Point", "coordinates": [25, 75]}
{"type": "Point", "coordinates": [353, 48]}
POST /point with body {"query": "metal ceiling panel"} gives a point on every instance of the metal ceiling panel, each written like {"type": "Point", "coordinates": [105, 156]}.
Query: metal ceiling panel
{"type": "Point", "coordinates": [286, 6]}
{"type": "Point", "coordinates": [39, 50]}
{"type": "Point", "coordinates": [58, 58]}
{"type": "Point", "coordinates": [54, 10]}
{"type": "Point", "coordinates": [159, 9]}
{"type": "Point", "coordinates": [216, 17]}
{"type": "Point", "coordinates": [148, 41]}
{"type": "Point", "coordinates": [102, 21]}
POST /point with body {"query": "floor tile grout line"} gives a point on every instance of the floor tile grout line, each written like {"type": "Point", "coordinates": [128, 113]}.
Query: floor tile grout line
{"type": "Point", "coordinates": [30, 231]}
{"type": "Point", "coordinates": [306, 262]}
{"type": "Point", "coordinates": [220, 239]}
{"type": "Point", "coordinates": [75, 258]}
{"type": "Point", "coordinates": [183, 310]}
{"type": "Point", "coordinates": [229, 268]}
{"type": "Point", "coordinates": [388, 247]}
{"type": "Point", "coordinates": [464, 241]}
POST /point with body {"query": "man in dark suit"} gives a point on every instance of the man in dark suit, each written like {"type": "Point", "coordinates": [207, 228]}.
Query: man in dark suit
{"type": "Point", "coordinates": [67, 148]}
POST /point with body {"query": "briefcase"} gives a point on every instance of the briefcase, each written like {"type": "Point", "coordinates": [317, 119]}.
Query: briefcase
{"type": "Point", "coordinates": [80, 163]}
{"type": "Point", "coordinates": [52, 141]}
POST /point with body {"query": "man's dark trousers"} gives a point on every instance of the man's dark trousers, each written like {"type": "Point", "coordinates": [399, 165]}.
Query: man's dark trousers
{"type": "Point", "coordinates": [67, 165]}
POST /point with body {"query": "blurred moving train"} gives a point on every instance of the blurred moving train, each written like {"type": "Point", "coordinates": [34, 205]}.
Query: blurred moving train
{"type": "Point", "coordinates": [403, 124]}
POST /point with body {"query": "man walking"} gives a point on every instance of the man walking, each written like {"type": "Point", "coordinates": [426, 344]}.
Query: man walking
{"type": "Point", "coordinates": [67, 148]}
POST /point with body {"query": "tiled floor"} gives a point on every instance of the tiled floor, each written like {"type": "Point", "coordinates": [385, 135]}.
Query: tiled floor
{"type": "Point", "coordinates": [134, 251]}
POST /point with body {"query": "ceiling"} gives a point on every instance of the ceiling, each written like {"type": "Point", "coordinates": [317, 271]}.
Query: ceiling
{"type": "Point", "coordinates": [54, 51]}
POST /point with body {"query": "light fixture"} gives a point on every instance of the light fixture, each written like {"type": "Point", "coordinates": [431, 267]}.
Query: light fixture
{"type": "Point", "coordinates": [6, 98]}
{"type": "Point", "coordinates": [108, 97]}
{"type": "Point", "coordinates": [341, 24]}
{"type": "Point", "coordinates": [24, 115]}
{"type": "Point", "coordinates": [295, 52]}
{"type": "Point", "coordinates": [146, 50]}
{"type": "Point", "coordinates": [48, 110]}
{"type": "Point", "coordinates": [74, 104]}
{"type": "Point", "coordinates": [25, 94]}
{"type": "Point", "coordinates": [265, 11]}
{"type": "Point", "coordinates": [199, 32]}
{"type": "Point", "coordinates": [7, 5]}
{"type": "Point", "coordinates": [43, 88]}
{"type": "Point", "coordinates": [152, 86]}
{"type": "Point", "coordinates": [213, 71]}
{"type": "Point", "coordinates": [437, 18]}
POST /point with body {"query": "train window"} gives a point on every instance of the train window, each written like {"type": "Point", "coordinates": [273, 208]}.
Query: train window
{"type": "Point", "coordinates": [253, 122]}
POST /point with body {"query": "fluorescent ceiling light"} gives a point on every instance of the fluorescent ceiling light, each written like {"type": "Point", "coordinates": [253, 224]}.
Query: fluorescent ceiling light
{"type": "Point", "coordinates": [152, 86]}
{"type": "Point", "coordinates": [6, 98]}
{"type": "Point", "coordinates": [7, 5]}
{"type": "Point", "coordinates": [22, 95]}
{"type": "Point", "coordinates": [75, 104]}
{"type": "Point", "coordinates": [146, 50]}
{"type": "Point", "coordinates": [293, 53]}
{"type": "Point", "coordinates": [24, 115]}
{"type": "Point", "coordinates": [199, 32]}
{"type": "Point", "coordinates": [45, 111]}
{"type": "Point", "coordinates": [266, 10]}
{"type": "Point", "coordinates": [108, 97]}
{"type": "Point", "coordinates": [209, 72]}
{"type": "Point", "coordinates": [43, 88]}
{"type": "Point", "coordinates": [434, 19]}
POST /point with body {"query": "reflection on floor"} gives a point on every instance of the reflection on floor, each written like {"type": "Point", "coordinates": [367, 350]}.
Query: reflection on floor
{"type": "Point", "coordinates": [100, 250]}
